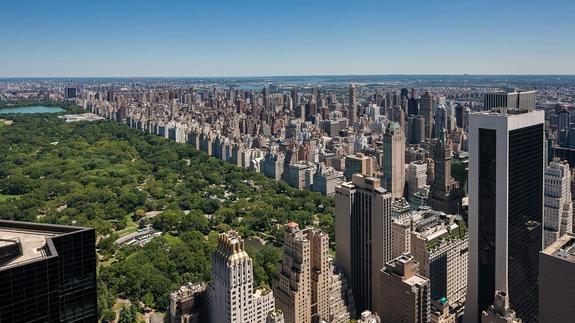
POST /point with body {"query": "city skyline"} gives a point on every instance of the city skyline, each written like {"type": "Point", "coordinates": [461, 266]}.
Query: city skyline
{"type": "Point", "coordinates": [226, 39]}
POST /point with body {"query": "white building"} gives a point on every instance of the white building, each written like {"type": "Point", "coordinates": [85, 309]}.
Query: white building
{"type": "Point", "coordinates": [558, 206]}
{"type": "Point", "coordinates": [231, 296]}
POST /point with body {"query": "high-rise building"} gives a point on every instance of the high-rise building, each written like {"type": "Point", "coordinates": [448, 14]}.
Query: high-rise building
{"type": "Point", "coordinates": [563, 126]}
{"type": "Point", "coordinates": [505, 210]}
{"type": "Point", "coordinates": [415, 129]}
{"type": "Point", "coordinates": [394, 160]}
{"type": "Point", "coordinates": [558, 206]}
{"type": "Point", "coordinates": [404, 292]}
{"type": "Point", "coordinates": [439, 244]}
{"type": "Point", "coordinates": [303, 287]}
{"type": "Point", "coordinates": [292, 288]}
{"type": "Point", "coordinates": [412, 107]}
{"type": "Point", "coordinates": [427, 109]}
{"type": "Point", "coordinates": [520, 100]}
{"type": "Point", "coordinates": [352, 105]}
{"type": "Point", "coordinates": [47, 273]}
{"type": "Point", "coordinates": [363, 236]}
{"type": "Point", "coordinates": [404, 93]}
{"type": "Point", "coordinates": [556, 283]}
{"type": "Point", "coordinates": [416, 178]}
{"type": "Point", "coordinates": [358, 164]}
{"type": "Point", "coordinates": [231, 296]}
{"type": "Point", "coordinates": [445, 194]}
{"type": "Point", "coordinates": [500, 311]}
{"type": "Point", "coordinates": [70, 92]}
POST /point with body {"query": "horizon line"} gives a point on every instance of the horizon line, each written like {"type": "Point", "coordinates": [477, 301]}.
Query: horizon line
{"type": "Point", "coordinates": [277, 76]}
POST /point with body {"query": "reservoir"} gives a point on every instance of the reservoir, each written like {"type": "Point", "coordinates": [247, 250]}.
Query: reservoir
{"type": "Point", "coordinates": [31, 109]}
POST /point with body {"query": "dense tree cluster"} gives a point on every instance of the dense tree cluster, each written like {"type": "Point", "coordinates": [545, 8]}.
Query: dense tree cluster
{"type": "Point", "coordinates": [107, 176]}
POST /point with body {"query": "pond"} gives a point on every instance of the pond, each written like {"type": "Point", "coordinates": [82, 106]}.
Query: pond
{"type": "Point", "coordinates": [31, 109]}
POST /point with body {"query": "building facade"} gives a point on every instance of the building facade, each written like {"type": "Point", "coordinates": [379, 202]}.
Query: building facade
{"type": "Point", "coordinates": [558, 206]}
{"type": "Point", "coordinates": [404, 292]}
{"type": "Point", "coordinates": [505, 210]}
{"type": "Point", "coordinates": [394, 160]}
{"type": "Point", "coordinates": [231, 296]}
{"type": "Point", "coordinates": [363, 236]}
{"type": "Point", "coordinates": [556, 283]}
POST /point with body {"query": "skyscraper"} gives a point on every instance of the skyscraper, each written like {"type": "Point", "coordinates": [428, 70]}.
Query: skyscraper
{"type": "Point", "coordinates": [352, 109]}
{"type": "Point", "coordinates": [412, 106]}
{"type": "Point", "coordinates": [363, 236]}
{"type": "Point", "coordinates": [303, 287]}
{"type": "Point", "coordinates": [426, 109]}
{"type": "Point", "coordinates": [558, 208]}
{"type": "Point", "coordinates": [404, 292]}
{"type": "Point", "coordinates": [47, 273]}
{"type": "Point", "coordinates": [231, 296]}
{"type": "Point", "coordinates": [394, 160]}
{"type": "Point", "coordinates": [445, 194]}
{"type": "Point", "coordinates": [505, 210]}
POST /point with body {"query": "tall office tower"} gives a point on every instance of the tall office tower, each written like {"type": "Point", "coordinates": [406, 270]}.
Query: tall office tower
{"type": "Point", "coordinates": [363, 236]}
{"type": "Point", "coordinates": [47, 273]}
{"type": "Point", "coordinates": [440, 120]}
{"type": "Point", "coordinates": [415, 129]}
{"type": "Point", "coordinates": [445, 194]}
{"type": "Point", "coordinates": [265, 97]}
{"type": "Point", "coordinates": [397, 115]}
{"type": "Point", "coordinates": [394, 160]}
{"type": "Point", "coordinates": [505, 210]}
{"type": "Point", "coordinates": [412, 106]}
{"type": "Point", "coordinates": [352, 106]}
{"type": "Point", "coordinates": [231, 297]}
{"type": "Point", "coordinates": [416, 178]}
{"type": "Point", "coordinates": [459, 115]}
{"type": "Point", "coordinates": [439, 243]}
{"type": "Point", "coordinates": [304, 287]}
{"type": "Point", "coordinates": [500, 311]}
{"type": "Point", "coordinates": [358, 164]}
{"type": "Point", "coordinates": [520, 100]}
{"type": "Point", "coordinates": [558, 206]}
{"type": "Point", "coordinates": [404, 93]}
{"type": "Point", "coordinates": [426, 109]}
{"type": "Point", "coordinates": [294, 97]}
{"type": "Point", "coordinates": [404, 292]}
{"type": "Point", "coordinates": [556, 283]}
{"type": "Point", "coordinates": [70, 92]}
{"type": "Point", "coordinates": [563, 126]}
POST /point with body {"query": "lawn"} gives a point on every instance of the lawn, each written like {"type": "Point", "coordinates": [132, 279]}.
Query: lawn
{"type": "Point", "coordinates": [8, 197]}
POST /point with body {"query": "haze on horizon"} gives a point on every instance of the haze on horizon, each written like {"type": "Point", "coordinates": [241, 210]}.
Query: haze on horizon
{"type": "Point", "coordinates": [263, 38]}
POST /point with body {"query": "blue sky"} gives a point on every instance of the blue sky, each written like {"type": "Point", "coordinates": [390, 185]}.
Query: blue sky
{"type": "Point", "coordinates": [248, 38]}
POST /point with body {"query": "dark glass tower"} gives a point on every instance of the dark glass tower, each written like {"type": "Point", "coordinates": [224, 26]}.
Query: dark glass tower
{"type": "Point", "coordinates": [505, 210]}
{"type": "Point", "coordinates": [47, 273]}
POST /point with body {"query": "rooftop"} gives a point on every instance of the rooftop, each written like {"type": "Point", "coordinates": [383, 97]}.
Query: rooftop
{"type": "Point", "coordinates": [25, 241]}
{"type": "Point", "coordinates": [563, 248]}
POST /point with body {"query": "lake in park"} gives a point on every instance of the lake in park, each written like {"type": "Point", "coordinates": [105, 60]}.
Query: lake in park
{"type": "Point", "coordinates": [31, 109]}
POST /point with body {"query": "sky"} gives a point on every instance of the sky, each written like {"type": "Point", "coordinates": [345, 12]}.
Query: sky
{"type": "Point", "coordinates": [99, 38]}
